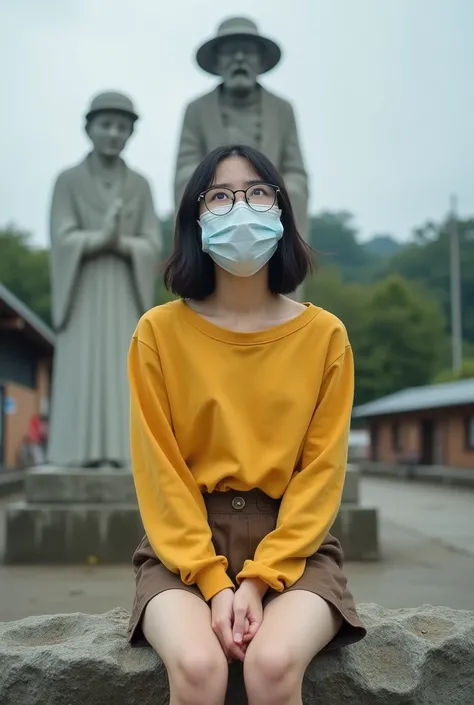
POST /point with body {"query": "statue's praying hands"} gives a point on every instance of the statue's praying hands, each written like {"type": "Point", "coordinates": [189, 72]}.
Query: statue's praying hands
{"type": "Point", "coordinates": [111, 222]}
{"type": "Point", "coordinates": [110, 235]}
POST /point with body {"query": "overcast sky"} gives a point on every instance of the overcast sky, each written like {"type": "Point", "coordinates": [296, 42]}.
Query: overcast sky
{"type": "Point", "coordinates": [383, 91]}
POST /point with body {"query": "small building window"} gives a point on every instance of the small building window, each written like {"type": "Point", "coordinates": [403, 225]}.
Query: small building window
{"type": "Point", "coordinates": [470, 433]}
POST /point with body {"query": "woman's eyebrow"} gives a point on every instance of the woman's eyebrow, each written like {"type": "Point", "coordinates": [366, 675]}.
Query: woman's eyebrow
{"type": "Point", "coordinates": [229, 186]}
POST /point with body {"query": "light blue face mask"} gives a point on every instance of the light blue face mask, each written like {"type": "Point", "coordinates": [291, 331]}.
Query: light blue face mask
{"type": "Point", "coordinates": [242, 241]}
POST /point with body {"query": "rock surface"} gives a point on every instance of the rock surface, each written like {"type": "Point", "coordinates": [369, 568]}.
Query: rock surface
{"type": "Point", "coordinates": [422, 656]}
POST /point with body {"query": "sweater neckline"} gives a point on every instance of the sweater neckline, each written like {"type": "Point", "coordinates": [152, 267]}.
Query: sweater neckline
{"type": "Point", "coordinates": [266, 335]}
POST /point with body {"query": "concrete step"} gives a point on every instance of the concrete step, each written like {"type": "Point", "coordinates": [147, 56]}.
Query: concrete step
{"type": "Point", "coordinates": [109, 533]}
{"type": "Point", "coordinates": [11, 481]}
{"type": "Point", "coordinates": [350, 494]}
{"type": "Point", "coordinates": [357, 530]}
{"type": "Point", "coordinates": [90, 515]}
{"type": "Point", "coordinates": [52, 484]}
{"type": "Point", "coordinates": [71, 533]}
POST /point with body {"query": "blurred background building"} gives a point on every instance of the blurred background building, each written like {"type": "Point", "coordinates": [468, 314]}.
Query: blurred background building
{"type": "Point", "coordinates": [26, 356]}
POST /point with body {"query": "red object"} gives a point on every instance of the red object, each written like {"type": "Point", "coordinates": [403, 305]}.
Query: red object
{"type": "Point", "coordinates": [36, 430]}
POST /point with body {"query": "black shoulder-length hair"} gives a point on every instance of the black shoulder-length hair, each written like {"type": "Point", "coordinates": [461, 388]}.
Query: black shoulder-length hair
{"type": "Point", "coordinates": [190, 272]}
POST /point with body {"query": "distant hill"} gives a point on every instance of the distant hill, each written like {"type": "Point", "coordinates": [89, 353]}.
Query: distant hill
{"type": "Point", "coordinates": [382, 246]}
{"type": "Point", "coordinates": [334, 236]}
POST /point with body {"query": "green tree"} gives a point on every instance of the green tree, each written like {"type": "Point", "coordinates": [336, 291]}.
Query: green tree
{"type": "Point", "coordinates": [401, 339]}
{"type": "Point", "coordinates": [396, 330]}
{"type": "Point", "coordinates": [346, 301]}
{"type": "Point", "coordinates": [25, 270]}
{"type": "Point", "coordinates": [427, 261]}
{"type": "Point", "coordinates": [466, 372]}
{"type": "Point", "coordinates": [334, 237]}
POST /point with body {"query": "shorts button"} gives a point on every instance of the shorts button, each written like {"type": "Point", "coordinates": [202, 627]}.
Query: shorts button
{"type": "Point", "coordinates": [238, 502]}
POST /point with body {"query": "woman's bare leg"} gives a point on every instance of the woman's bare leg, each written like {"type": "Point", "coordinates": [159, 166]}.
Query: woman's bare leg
{"type": "Point", "coordinates": [295, 627]}
{"type": "Point", "coordinates": [177, 624]}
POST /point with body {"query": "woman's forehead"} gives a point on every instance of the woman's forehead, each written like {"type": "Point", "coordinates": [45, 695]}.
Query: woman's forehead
{"type": "Point", "coordinates": [235, 170]}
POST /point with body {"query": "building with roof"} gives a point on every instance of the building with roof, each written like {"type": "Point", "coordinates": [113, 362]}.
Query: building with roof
{"type": "Point", "coordinates": [427, 426]}
{"type": "Point", "coordinates": [26, 356]}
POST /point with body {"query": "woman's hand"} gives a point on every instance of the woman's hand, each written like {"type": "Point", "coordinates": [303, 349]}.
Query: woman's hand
{"type": "Point", "coordinates": [248, 611]}
{"type": "Point", "coordinates": [222, 617]}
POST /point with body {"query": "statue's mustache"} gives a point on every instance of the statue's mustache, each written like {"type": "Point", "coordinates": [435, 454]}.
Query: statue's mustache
{"type": "Point", "coordinates": [240, 70]}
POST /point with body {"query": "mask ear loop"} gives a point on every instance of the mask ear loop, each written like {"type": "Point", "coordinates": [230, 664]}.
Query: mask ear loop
{"type": "Point", "coordinates": [200, 197]}
{"type": "Point", "coordinates": [198, 221]}
{"type": "Point", "coordinates": [204, 242]}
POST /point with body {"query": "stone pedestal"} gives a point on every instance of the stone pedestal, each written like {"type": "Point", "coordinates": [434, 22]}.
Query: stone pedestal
{"type": "Point", "coordinates": [52, 485]}
{"type": "Point", "coordinates": [74, 516]}
{"type": "Point", "coordinates": [357, 530]}
{"type": "Point", "coordinates": [356, 527]}
{"type": "Point", "coordinates": [351, 493]}
{"type": "Point", "coordinates": [91, 516]}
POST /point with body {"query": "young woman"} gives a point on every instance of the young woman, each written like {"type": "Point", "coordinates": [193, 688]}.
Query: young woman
{"type": "Point", "coordinates": [240, 409]}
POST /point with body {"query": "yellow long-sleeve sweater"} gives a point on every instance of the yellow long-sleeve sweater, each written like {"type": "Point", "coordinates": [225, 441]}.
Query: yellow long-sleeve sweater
{"type": "Point", "coordinates": [213, 410]}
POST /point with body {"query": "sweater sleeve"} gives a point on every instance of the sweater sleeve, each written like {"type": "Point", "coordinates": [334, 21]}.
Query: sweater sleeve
{"type": "Point", "coordinates": [312, 499]}
{"type": "Point", "coordinates": [171, 504]}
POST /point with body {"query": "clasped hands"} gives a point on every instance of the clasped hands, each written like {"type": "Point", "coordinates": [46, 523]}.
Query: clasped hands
{"type": "Point", "coordinates": [237, 616]}
{"type": "Point", "coordinates": [110, 235]}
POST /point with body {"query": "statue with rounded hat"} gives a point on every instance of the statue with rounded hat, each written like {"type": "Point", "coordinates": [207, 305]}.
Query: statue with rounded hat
{"type": "Point", "coordinates": [105, 248]}
{"type": "Point", "coordinates": [241, 110]}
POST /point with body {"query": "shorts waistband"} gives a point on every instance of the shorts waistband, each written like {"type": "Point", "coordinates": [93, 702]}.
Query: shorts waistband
{"type": "Point", "coordinates": [235, 502]}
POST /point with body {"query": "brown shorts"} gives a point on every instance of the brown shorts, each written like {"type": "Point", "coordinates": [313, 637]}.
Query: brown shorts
{"type": "Point", "coordinates": [239, 521]}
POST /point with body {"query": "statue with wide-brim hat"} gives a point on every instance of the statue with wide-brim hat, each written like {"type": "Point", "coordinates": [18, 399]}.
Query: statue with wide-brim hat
{"type": "Point", "coordinates": [238, 28]}
{"type": "Point", "coordinates": [105, 248]}
{"type": "Point", "coordinates": [241, 111]}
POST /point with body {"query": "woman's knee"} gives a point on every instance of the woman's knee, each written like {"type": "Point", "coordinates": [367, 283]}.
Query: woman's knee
{"type": "Point", "coordinates": [271, 672]}
{"type": "Point", "coordinates": [198, 675]}
{"type": "Point", "coordinates": [197, 666]}
{"type": "Point", "coordinates": [178, 626]}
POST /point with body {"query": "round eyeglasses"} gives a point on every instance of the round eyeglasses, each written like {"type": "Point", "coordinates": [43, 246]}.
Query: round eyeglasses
{"type": "Point", "coordinates": [259, 197]}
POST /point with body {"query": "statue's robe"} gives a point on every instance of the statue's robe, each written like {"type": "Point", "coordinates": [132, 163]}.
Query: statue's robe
{"type": "Point", "coordinates": [270, 126]}
{"type": "Point", "coordinates": [97, 300]}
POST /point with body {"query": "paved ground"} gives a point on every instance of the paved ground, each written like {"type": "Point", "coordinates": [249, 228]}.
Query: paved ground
{"type": "Point", "coordinates": [428, 557]}
{"type": "Point", "coordinates": [444, 514]}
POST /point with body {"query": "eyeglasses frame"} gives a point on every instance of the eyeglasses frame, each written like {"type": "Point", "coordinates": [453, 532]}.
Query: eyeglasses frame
{"type": "Point", "coordinates": [202, 196]}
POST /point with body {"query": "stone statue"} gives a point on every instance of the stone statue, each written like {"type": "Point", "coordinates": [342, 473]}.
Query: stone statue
{"type": "Point", "coordinates": [240, 110]}
{"type": "Point", "coordinates": [105, 246]}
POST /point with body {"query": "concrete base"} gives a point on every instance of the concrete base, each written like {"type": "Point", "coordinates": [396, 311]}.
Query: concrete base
{"type": "Point", "coordinates": [350, 493]}
{"type": "Point", "coordinates": [357, 530]}
{"type": "Point", "coordinates": [11, 482]}
{"type": "Point", "coordinates": [50, 484]}
{"type": "Point", "coordinates": [87, 533]}
{"type": "Point", "coordinates": [65, 533]}
{"type": "Point", "coordinates": [90, 515]}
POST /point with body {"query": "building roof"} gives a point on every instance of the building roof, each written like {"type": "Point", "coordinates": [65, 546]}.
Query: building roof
{"type": "Point", "coordinates": [13, 305]}
{"type": "Point", "coordinates": [433, 396]}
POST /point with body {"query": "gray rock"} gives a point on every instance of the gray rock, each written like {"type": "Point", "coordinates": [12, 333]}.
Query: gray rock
{"type": "Point", "coordinates": [420, 656]}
